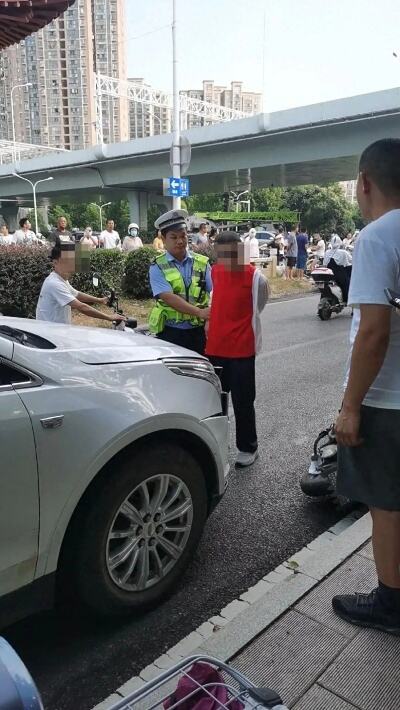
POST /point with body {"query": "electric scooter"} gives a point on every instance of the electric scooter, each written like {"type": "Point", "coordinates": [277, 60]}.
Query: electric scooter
{"type": "Point", "coordinates": [113, 303]}
{"type": "Point", "coordinates": [332, 300]}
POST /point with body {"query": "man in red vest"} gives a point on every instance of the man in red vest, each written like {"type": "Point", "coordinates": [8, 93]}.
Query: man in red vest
{"type": "Point", "coordinates": [239, 294]}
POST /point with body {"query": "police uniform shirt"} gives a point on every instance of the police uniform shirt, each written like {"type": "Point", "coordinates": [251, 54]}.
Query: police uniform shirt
{"type": "Point", "coordinates": [159, 283]}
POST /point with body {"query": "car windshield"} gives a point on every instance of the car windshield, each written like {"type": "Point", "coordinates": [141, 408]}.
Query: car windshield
{"type": "Point", "coordinates": [25, 338]}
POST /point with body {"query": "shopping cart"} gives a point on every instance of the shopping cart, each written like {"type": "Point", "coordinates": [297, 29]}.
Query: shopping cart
{"type": "Point", "coordinates": [228, 689]}
{"type": "Point", "coordinates": [239, 692]}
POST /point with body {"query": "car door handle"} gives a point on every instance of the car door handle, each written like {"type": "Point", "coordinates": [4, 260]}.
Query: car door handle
{"type": "Point", "coordinates": [52, 422]}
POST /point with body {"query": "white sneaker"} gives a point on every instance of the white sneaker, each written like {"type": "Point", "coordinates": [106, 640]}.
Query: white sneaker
{"type": "Point", "coordinates": [245, 458]}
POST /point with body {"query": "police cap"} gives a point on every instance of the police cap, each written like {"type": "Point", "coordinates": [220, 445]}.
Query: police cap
{"type": "Point", "coordinates": [174, 219]}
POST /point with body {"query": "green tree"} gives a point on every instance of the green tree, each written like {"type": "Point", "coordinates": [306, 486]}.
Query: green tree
{"type": "Point", "coordinates": [357, 217]}
{"type": "Point", "coordinates": [209, 202]}
{"type": "Point", "coordinates": [57, 211]}
{"type": "Point", "coordinates": [323, 209]}
{"type": "Point", "coordinates": [268, 199]}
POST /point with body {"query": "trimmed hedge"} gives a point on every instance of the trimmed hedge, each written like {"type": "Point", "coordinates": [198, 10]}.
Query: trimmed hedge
{"type": "Point", "coordinates": [22, 272]}
{"type": "Point", "coordinates": [109, 264]}
{"type": "Point", "coordinates": [137, 282]}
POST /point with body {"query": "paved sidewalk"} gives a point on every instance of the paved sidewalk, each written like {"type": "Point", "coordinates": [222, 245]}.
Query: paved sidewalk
{"type": "Point", "coordinates": [316, 661]}
{"type": "Point", "coordinates": [282, 632]}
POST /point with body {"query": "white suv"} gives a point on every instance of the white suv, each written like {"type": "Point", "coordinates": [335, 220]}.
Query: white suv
{"type": "Point", "coordinates": [114, 449]}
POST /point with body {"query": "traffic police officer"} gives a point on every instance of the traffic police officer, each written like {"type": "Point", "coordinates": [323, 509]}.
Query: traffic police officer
{"type": "Point", "coordinates": [181, 284]}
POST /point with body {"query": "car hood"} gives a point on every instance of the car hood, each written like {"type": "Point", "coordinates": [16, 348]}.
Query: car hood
{"type": "Point", "coordinates": [92, 346]}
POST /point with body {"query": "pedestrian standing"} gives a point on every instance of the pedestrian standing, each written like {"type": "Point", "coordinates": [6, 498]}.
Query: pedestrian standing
{"type": "Point", "coordinates": [367, 428]}
{"type": "Point", "coordinates": [88, 240]}
{"type": "Point", "coordinates": [291, 252]}
{"type": "Point", "coordinates": [132, 242]}
{"type": "Point", "coordinates": [279, 245]}
{"type": "Point", "coordinates": [24, 236]}
{"type": "Point", "coordinates": [320, 247]}
{"type": "Point", "coordinates": [62, 235]}
{"type": "Point", "coordinates": [158, 241]}
{"type": "Point", "coordinates": [302, 244]}
{"type": "Point", "coordinates": [6, 239]}
{"type": "Point", "coordinates": [251, 244]}
{"type": "Point", "coordinates": [109, 237]}
{"type": "Point", "coordinates": [201, 238]}
{"type": "Point", "coordinates": [181, 283]}
{"type": "Point", "coordinates": [240, 293]}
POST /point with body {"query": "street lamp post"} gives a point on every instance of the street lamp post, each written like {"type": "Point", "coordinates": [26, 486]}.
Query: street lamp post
{"type": "Point", "coordinates": [237, 196]}
{"type": "Point", "coordinates": [17, 86]}
{"type": "Point", "coordinates": [101, 207]}
{"type": "Point", "coordinates": [176, 135]}
{"type": "Point", "coordinates": [33, 185]}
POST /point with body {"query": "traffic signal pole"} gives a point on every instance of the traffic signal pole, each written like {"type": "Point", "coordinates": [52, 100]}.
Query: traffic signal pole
{"type": "Point", "coordinates": [176, 135]}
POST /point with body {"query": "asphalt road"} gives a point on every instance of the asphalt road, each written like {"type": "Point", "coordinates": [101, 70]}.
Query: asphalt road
{"type": "Point", "coordinates": [262, 520]}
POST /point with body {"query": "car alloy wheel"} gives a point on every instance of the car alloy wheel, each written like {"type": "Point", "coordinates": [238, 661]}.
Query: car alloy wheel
{"type": "Point", "coordinates": [149, 532]}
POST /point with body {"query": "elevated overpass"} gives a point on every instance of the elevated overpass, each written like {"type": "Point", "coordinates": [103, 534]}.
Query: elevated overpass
{"type": "Point", "coordinates": [310, 144]}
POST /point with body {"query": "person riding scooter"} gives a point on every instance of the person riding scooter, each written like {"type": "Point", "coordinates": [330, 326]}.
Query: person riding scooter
{"type": "Point", "coordinates": [339, 261]}
{"type": "Point", "coordinates": [132, 241]}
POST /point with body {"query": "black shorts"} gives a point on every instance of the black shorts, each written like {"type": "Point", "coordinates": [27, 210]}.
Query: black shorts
{"type": "Point", "coordinates": [370, 473]}
{"type": "Point", "coordinates": [291, 261]}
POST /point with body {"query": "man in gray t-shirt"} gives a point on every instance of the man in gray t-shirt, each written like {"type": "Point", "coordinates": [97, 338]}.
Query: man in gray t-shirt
{"type": "Point", "coordinates": [368, 426]}
{"type": "Point", "coordinates": [291, 251]}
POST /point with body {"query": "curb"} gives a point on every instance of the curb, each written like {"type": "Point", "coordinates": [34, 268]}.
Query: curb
{"type": "Point", "coordinates": [238, 623]}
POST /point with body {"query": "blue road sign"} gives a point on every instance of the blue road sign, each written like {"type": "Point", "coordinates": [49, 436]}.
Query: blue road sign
{"type": "Point", "coordinates": [176, 187]}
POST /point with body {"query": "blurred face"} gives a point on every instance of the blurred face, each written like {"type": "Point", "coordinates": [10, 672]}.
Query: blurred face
{"type": "Point", "coordinates": [27, 225]}
{"type": "Point", "coordinates": [203, 229]}
{"type": "Point", "coordinates": [65, 265]}
{"type": "Point", "coordinates": [110, 225]}
{"type": "Point", "coordinates": [62, 223]}
{"type": "Point", "coordinates": [4, 230]}
{"type": "Point", "coordinates": [232, 256]}
{"type": "Point", "coordinates": [175, 242]}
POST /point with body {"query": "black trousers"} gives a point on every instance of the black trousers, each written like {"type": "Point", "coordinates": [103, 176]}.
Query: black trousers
{"type": "Point", "coordinates": [190, 338]}
{"type": "Point", "coordinates": [238, 377]}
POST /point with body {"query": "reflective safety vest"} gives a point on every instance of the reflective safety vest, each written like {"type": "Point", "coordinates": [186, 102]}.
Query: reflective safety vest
{"type": "Point", "coordinates": [195, 293]}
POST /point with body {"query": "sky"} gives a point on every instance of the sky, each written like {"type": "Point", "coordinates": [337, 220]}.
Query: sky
{"type": "Point", "coordinates": [314, 50]}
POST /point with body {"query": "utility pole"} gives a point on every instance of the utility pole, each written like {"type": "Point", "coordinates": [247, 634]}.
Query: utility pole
{"type": "Point", "coordinates": [176, 135]}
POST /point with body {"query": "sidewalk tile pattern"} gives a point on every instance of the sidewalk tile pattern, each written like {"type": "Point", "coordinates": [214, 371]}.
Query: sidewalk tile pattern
{"type": "Point", "coordinates": [356, 575]}
{"type": "Point", "coordinates": [290, 655]}
{"type": "Point", "coordinates": [318, 662]}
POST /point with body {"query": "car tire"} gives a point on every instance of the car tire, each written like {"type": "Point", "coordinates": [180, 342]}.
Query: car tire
{"type": "Point", "coordinates": [95, 554]}
{"type": "Point", "coordinates": [324, 309]}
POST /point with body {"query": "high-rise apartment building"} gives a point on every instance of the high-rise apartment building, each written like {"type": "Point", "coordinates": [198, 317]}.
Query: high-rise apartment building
{"type": "Point", "coordinates": [147, 120]}
{"type": "Point", "coordinates": [59, 61]}
{"type": "Point", "coordinates": [349, 188]}
{"type": "Point", "coordinates": [236, 98]}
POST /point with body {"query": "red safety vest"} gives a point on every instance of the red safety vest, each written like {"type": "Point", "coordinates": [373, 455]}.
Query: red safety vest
{"type": "Point", "coordinates": [230, 331]}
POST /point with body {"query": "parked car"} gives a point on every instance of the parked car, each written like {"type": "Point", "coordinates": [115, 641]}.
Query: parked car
{"type": "Point", "coordinates": [265, 239]}
{"type": "Point", "coordinates": [114, 450]}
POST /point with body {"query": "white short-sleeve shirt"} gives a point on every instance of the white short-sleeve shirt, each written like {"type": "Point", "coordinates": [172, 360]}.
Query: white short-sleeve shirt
{"type": "Point", "coordinates": [55, 296]}
{"type": "Point", "coordinates": [110, 240]}
{"type": "Point", "coordinates": [376, 266]}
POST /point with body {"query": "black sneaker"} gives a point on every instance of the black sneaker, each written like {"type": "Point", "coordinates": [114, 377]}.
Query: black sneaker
{"type": "Point", "coordinates": [366, 610]}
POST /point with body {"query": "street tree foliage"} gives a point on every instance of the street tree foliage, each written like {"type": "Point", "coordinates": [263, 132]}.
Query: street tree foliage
{"type": "Point", "coordinates": [83, 215]}
{"type": "Point", "coordinates": [209, 202]}
{"type": "Point", "coordinates": [322, 209]}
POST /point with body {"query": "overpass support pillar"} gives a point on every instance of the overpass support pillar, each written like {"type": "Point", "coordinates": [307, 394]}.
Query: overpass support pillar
{"type": "Point", "coordinates": [10, 214]}
{"type": "Point", "coordinates": [138, 205]}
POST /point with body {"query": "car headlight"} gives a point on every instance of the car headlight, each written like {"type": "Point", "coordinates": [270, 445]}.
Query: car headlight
{"type": "Point", "coordinates": [190, 367]}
